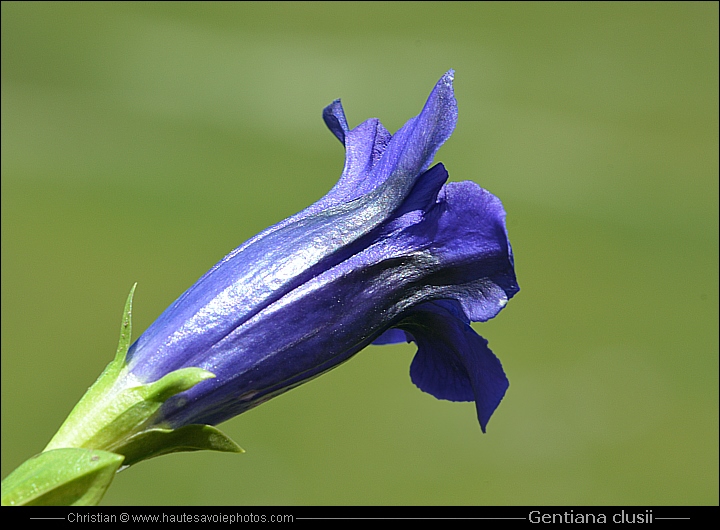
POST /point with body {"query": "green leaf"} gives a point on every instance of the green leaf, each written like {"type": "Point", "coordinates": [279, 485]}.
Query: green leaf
{"type": "Point", "coordinates": [156, 442]}
{"type": "Point", "coordinates": [62, 477]}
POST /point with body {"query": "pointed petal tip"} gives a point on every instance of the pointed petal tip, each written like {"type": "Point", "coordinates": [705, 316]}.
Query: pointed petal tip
{"type": "Point", "coordinates": [334, 117]}
{"type": "Point", "coordinates": [445, 83]}
{"type": "Point", "coordinates": [486, 407]}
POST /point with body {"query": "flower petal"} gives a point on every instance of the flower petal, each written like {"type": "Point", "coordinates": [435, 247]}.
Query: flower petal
{"type": "Point", "coordinates": [392, 336]}
{"type": "Point", "coordinates": [411, 149]}
{"type": "Point", "coordinates": [334, 117]}
{"type": "Point", "coordinates": [364, 146]}
{"type": "Point", "coordinates": [453, 362]}
{"type": "Point", "coordinates": [471, 240]}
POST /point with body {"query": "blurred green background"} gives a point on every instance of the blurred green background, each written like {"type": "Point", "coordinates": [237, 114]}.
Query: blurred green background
{"type": "Point", "coordinates": [143, 141]}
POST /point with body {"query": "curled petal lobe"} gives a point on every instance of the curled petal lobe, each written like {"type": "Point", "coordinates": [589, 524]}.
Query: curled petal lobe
{"type": "Point", "coordinates": [334, 117]}
{"type": "Point", "coordinates": [453, 362]}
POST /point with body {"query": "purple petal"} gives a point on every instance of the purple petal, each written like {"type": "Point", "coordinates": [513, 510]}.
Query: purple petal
{"type": "Point", "coordinates": [373, 156]}
{"type": "Point", "coordinates": [472, 240]}
{"type": "Point", "coordinates": [364, 145]}
{"type": "Point", "coordinates": [453, 362]}
{"type": "Point", "coordinates": [412, 148]}
{"type": "Point", "coordinates": [334, 117]}
{"type": "Point", "coordinates": [392, 336]}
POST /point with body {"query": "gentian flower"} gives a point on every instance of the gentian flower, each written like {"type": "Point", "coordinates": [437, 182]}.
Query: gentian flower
{"type": "Point", "coordinates": [392, 253]}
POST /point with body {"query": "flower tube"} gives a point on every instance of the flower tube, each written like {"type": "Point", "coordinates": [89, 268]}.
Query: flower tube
{"type": "Point", "coordinates": [391, 253]}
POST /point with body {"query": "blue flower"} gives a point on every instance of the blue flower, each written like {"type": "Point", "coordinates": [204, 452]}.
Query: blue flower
{"type": "Point", "coordinates": [391, 253]}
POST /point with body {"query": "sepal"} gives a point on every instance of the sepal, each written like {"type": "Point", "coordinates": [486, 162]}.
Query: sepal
{"type": "Point", "coordinates": [102, 385]}
{"type": "Point", "coordinates": [157, 442]}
